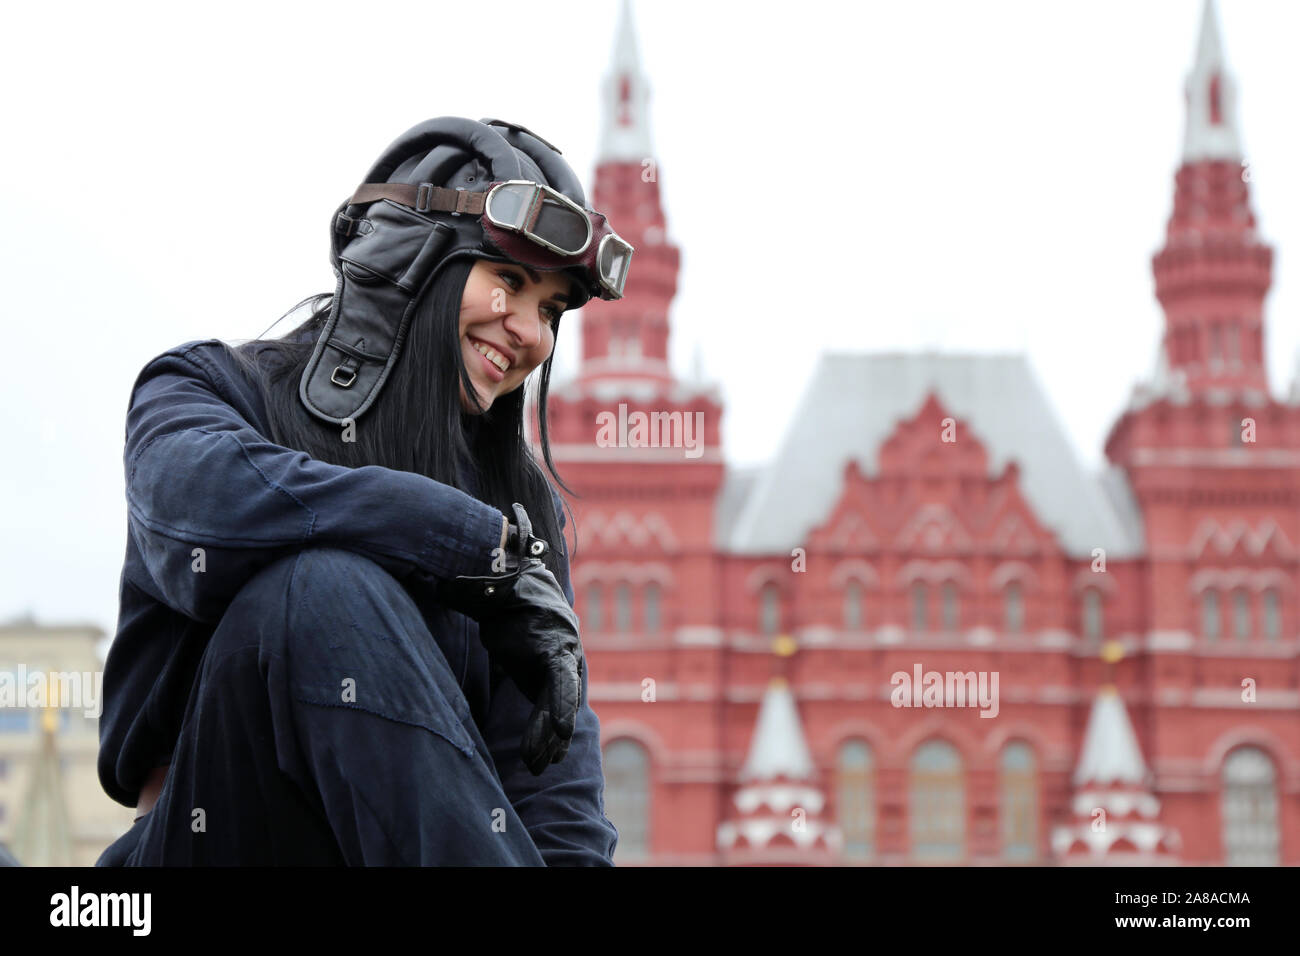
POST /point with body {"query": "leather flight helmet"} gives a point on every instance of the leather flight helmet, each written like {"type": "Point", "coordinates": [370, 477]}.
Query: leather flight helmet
{"type": "Point", "coordinates": [385, 252]}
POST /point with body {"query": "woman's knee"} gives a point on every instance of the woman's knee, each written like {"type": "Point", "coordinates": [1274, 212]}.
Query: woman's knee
{"type": "Point", "coordinates": [316, 578]}
{"type": "Point", "coordinates": [341, 630]}
{"type": "Point", "coordinates": [333, 629]}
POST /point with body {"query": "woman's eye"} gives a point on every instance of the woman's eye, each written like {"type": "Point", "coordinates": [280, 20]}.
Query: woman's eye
{"type": "Point", "coordinates": [514, 279]}
{"type": "Point", "coordinates": [552, 314]}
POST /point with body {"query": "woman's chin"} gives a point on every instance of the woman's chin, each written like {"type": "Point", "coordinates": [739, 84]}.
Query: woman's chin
{"type": "Point", "coordinates": [484, 400]}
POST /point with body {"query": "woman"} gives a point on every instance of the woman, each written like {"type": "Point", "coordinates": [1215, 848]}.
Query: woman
{"type": "Point", "coordinates": [340, 641]}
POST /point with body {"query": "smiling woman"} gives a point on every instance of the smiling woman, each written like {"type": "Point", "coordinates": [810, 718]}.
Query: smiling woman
{"type": "Point", "coordinates": [340, 640]}
{"type": "Point", "coordinates": [508, 316]}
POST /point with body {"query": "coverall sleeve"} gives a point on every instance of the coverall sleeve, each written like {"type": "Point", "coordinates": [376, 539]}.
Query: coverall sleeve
{"type": "Point", "coordinates": [563, 808]}
{"type": "Point", "coordinates": [210, 501]}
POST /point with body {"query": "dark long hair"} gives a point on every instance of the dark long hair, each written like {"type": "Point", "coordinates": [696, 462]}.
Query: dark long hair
{"type": "Point", "coordinates": [417, 423]}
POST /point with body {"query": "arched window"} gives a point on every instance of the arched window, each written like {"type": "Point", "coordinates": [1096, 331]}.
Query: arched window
{"type": "Point", "coordinates": [622, 608]}
{"type": "Point", "coordinates": [937, 806]}
{"type": "Point", "coordinates": [855, 794]}
{"type": "Point", "coordinates": [1272, 615]}
{"type": "Point", "coordinates": [1241, 614]}
{"type": "Point", "coordinates": [1093, 625]}
{"type": "Point", "coordinates": [1014, 608]}
{"type": "Point", "coordinates": [920, 602]}
{"type": "Point", "coordinates": [1019, 803]}
{"type": "Point", "coordinates": [770, 609]}
{"type": "Point", "coordinates": [1250, 824]}
{"type": "Point", "coordinates": [595, 621]}
{"type": "Point", "coordinates": [951, 615]}
{"type": "Point", "coordinates": [627, 797]}
{"type": "Point", "coordinates": [1210, 614]}
{"type": "Point", "coordinates": [652, 608]}
{"type": "Point", "coordinates": [852, 605]}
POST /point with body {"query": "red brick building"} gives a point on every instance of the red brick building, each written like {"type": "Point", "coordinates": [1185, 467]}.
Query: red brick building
{"type": "Point", "coordinates": [924, 633]}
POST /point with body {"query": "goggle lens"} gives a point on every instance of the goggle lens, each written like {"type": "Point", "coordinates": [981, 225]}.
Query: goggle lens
{"type": "Point", "coordinates": [612, 261]}
{"type": "Point", "coordinates": [555, 222]}
{"type": "Point", "coordinates": [508, 204]}
{"type": "Point", "coordinates": [566, 231]}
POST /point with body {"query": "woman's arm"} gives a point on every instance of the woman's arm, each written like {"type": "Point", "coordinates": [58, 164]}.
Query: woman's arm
{"type": "Point", "coordinates": [563, 808]}
{"type": "Point", "coordinates": [211, 501]}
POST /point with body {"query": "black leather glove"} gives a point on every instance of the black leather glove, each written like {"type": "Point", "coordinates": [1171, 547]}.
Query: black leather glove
{"type": "Point", "coordinates": [529, 629]}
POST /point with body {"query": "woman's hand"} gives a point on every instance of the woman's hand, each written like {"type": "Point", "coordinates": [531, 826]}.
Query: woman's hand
{"type": "Point", "coordinates": [529, 629]}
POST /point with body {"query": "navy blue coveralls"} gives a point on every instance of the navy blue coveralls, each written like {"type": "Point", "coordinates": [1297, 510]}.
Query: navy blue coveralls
{"type": "Point", "coordinates": [276, 644]}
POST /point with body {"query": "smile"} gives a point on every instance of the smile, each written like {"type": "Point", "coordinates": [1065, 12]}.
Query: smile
{"type": "Point", "coordinates": [491, 354]}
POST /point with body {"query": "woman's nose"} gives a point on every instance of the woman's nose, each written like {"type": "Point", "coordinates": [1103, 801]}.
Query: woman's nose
{"type": "Point", "coordinates": [525, 329]}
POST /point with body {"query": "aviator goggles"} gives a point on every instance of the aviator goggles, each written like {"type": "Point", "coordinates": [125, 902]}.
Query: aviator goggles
{"type": "Point", "coordinates": [527, 221]}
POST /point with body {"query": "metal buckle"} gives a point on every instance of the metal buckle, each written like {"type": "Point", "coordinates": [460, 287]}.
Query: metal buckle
{"type": "Point", "coordinates": [334, 376]}
{"type": "Point", "coordinates": [347, 226]}
{"type": "Point", "coordinates": [423, 195]}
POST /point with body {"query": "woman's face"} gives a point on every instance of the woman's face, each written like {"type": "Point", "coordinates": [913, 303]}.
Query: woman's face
{"type": "Point", "coordinates": [511, 310]}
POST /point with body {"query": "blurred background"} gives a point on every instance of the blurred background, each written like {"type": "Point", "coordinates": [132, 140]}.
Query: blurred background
{"type": "Point", "coordinates": [853, 224]}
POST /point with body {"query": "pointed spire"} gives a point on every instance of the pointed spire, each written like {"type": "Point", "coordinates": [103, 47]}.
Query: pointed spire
{"type": "Point", "coordinates": [625, 114]}
{"type": "Point", "coordinates": [1110, 748]}
{"type": "Point", "coordinates": [779, 748]}
{"type": "Point", "coordinates": [1211, 98]}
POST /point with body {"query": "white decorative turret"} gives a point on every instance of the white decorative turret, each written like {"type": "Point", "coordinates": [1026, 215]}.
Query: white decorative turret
{"type": "Point", "coordinates": [777, 815]}
{"type": "Point", "coordinates": [1116, 817]}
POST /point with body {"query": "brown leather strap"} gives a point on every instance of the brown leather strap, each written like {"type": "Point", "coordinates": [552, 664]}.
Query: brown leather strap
{"type": "Point", "coordinates": [423, 198]}
{"type": "Point", "coordinates": [150, 791]}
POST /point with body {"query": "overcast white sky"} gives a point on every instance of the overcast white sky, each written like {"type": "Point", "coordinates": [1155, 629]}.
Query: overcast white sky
{"type": "Point", "coordinates": [985, 176]}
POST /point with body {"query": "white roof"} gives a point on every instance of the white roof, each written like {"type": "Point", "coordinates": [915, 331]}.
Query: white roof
{"type": "Point", "coordinates": [1110, 749]}
{"type": "Point", "coordinates": [778, 747]}
{"type": "Point", "coordinates": [736, 486]}
{"type": "Point", "coordinates": [855, 401]}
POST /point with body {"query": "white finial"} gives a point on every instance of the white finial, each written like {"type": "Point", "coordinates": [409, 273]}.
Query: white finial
{"type": "Point", "coordinates": [625, 115]}
{"type": "Point", "coordinates": [1211, 98]}
{"type": "Point", "coordinates": [697, 363]}
{"type": "Point", "coordinates": [1159, 381]}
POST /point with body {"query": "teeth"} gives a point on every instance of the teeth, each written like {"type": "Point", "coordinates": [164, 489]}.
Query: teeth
{"type": "Point", "coordinates": [493, 356]}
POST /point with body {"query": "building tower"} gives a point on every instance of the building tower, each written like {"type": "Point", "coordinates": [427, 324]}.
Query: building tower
{"type": "Point", "coordinates": [1214, 271]}
{"type": "Point", "coordinates": [1214, 464]}
{"type": "Point", "coordinates": [641, 449]}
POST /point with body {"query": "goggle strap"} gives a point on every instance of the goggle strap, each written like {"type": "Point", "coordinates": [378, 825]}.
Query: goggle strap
{"type": "Point", "coordinates": [422, 198]}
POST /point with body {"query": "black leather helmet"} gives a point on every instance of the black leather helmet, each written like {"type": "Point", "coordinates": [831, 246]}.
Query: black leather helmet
{"type": "Point", "coordinates": [385, 252]}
